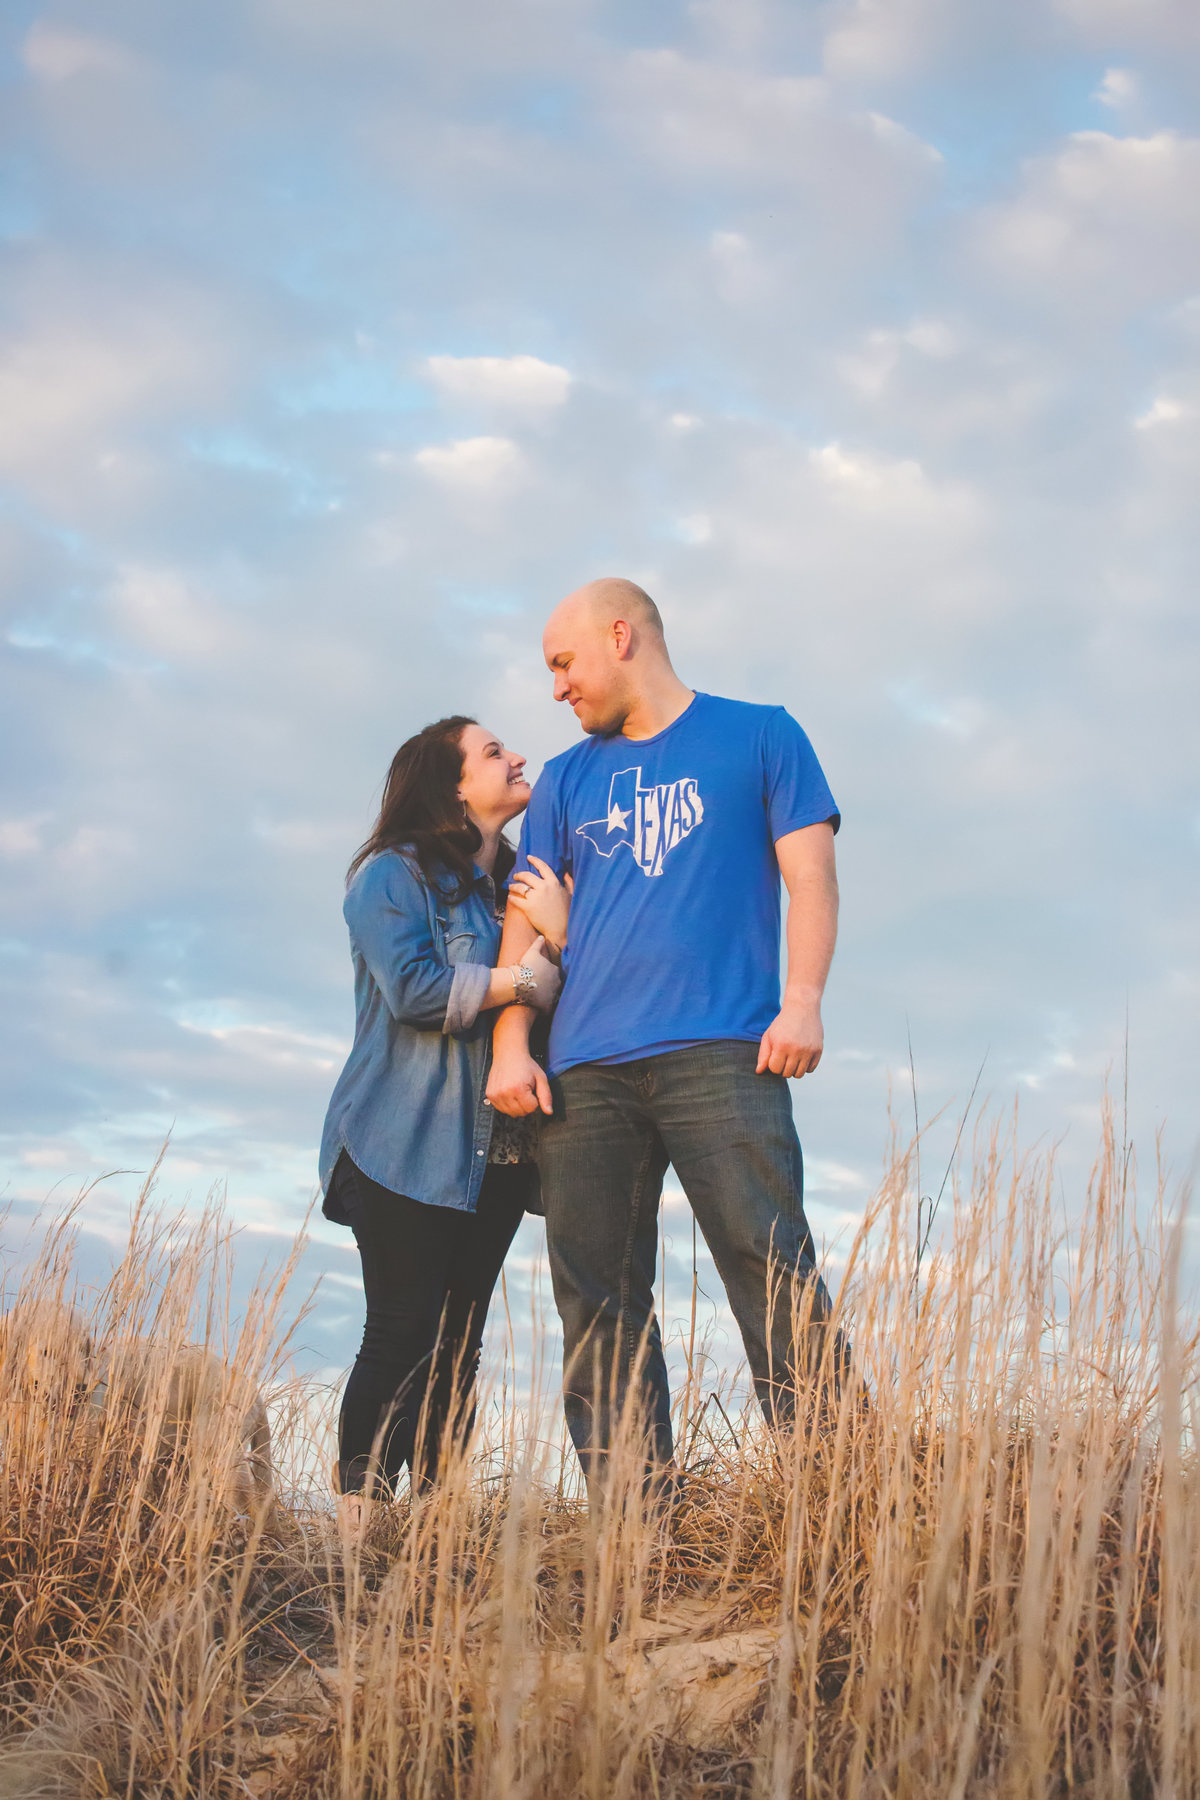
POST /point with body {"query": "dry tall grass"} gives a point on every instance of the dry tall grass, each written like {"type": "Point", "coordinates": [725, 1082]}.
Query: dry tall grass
{"type": "Point", "coordinates": [984, 1583]}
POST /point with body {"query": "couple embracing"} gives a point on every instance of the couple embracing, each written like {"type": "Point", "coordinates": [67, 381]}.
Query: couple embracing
{"type": "Point", "coordinates": [640, 916]}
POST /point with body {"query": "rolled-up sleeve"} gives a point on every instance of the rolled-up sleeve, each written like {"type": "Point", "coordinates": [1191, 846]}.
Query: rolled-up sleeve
{"type": "Point", "coordinates": [388, 917]}
{"type": "Point", "coordinates": [468, 991]}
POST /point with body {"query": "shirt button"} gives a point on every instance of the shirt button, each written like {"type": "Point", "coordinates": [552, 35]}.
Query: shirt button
{"type": "Point", "coordinates": [479, 1153]}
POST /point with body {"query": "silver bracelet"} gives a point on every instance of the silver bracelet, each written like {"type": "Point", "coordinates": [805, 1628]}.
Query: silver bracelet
{"type": "Point", "coordinates": [524, 984]}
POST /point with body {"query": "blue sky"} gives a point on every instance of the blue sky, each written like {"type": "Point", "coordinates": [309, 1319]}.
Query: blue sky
{"type": "Point", "coordinates": [338, 341]}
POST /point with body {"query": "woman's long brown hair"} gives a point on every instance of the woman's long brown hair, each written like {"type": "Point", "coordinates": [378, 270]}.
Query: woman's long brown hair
{"type": "Point", "coordinates": [421, 811]}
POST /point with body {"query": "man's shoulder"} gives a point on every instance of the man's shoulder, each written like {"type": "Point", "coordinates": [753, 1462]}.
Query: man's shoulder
{"type": "Point", "coordinates": [752, 714]}
{"type": "Point", "coordinates": [747, 722]}
{"type": "Point", "coordinates": [558, 771]}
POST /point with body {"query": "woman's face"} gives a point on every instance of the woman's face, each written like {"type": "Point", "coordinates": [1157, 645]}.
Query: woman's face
{"type": "Point", "coordinates": [491, 786]}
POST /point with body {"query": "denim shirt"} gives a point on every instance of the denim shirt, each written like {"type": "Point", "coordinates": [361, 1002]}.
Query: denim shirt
{"type": "Point", "coordinates": [409, 1104]}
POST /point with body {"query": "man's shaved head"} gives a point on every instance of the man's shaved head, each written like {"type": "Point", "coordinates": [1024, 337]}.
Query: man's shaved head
{"type": "Point", "coordinates": [612, 597]}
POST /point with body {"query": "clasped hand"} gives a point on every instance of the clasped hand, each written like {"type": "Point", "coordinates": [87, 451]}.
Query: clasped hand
{"type": "Point", "coordinates": [544, 901]}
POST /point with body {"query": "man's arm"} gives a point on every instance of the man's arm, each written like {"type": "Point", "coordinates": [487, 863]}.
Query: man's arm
{"type": "Point", "coordinates": [516, 1085]}
{"type": "Point", "coordinates": [793, 1042]}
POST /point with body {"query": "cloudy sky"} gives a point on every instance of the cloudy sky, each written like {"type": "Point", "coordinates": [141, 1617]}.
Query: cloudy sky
{"type": "Point", "coordinates": [339, 338]}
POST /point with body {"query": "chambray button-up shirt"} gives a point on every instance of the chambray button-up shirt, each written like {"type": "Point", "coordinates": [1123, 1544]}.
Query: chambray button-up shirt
{"type": "Point", "coordinates": [409, 1105]}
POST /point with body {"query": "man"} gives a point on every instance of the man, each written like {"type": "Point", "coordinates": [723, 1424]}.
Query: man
{"type": "Point", "coordinates": [675, 817]}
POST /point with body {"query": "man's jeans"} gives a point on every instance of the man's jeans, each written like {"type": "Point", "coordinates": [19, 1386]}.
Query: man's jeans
{"type": "Point", "coordinates": [731, 1138]}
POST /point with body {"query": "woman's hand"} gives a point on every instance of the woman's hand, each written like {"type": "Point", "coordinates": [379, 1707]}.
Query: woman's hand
{"type": "Point", "coordinates": [541, 993]}
{"type": "Point", "coordinates": [546, 978]}
{"type": "Point", "coordinates": [545, 901]}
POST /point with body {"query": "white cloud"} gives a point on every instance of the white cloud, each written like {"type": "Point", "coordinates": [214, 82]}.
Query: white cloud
{"type": "Point", "coordinates": [883, 39]}
{"type": "Point", "coordinates": [947, 383]}
{"type": "Point", "coordinates": [20, 837]}
{"type": "Point", "coordinates": [161, 612]}
{"type": "Point", "coordinates": [907, 144]}
{"type": "Point", "coordinates": [98, 854]}
{"type": "Point", "coordinates": [277, 1045]}
{"type": "Point", "coordinates": [886, 487]}
{"type": "Point", "coordinates": [1163, 410]}
{"type": "Point", "coordinates": [832, 1177]}
{"type": "Point", "coordinates": [305, 837]}
{"type": "Point", "coordinates": [1104, 223]}
{"type": "Point", "coordinates": [742, 276]}
{"type": "Point", "coordinates": [59, 384]}
{"type": "Point", "coordinates": [82, 371]}
{"type": "Point", "coordinates": [1164, 24]}
{"type": "Point", "coordinates": [870, 367]}
{"type": "Point", "coordinates": [694, 528]}
{"type": "Point", "coordinates": [510, 383]}
{"type": "Point", "coordinates": [1119, 89]}
{"type": "Point", "coordinates": [704, 115]}
{"type": "Point", "coordinates": [783, 130]}
{"type": "Point", "coordinates": [524, 37]}
{"type": "Point", "coordinates": [477, 465]}
{"type": "Point", "coordinates": [959, 717]}
{"type": "Point", "coordinates": [54, 53]}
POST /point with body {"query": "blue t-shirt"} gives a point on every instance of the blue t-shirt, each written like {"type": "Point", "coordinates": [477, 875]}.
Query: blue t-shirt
{"type": "Point", "coordinates": [674, 936]}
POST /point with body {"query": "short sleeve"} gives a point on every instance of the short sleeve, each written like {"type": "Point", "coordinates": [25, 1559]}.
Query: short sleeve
{"type": "Point", "coordinates": [542, 831]}
{"type": "Point", "coordinates": [795, 790]}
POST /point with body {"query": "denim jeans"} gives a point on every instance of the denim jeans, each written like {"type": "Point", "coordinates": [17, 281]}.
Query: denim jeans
{"type": "Point", "coordinates": [731, 1138]}
{"type": "Point", "coordinates": [428, 1275]}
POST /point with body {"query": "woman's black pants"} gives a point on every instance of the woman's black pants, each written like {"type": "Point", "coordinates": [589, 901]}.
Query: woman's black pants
{"type": "Point", "coordinates": [428, 1274]}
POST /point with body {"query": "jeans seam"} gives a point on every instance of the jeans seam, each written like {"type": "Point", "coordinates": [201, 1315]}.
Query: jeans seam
{"type": "Point", "coordinates": [627, 1335]}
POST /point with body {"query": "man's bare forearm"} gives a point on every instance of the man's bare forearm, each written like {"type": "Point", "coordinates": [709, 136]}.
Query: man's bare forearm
{"type": "Point", "coordinates": [812, 921]}
{"type": "Point", "coordinates": [514, 1023]}
{"type": "Point", "coordinates": [516, 937]}
{"type": "Point", "coordinates": [793, 1043]}
{"type": "Point", "coordinates": [517, 1085]}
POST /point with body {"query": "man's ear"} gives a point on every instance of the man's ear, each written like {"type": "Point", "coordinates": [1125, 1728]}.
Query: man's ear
{"type": "Point", "coordinates": [622, 632]}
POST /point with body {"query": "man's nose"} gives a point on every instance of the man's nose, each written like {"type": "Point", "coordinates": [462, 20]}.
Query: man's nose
{"type": "Point", "coordinates": [560, 686]}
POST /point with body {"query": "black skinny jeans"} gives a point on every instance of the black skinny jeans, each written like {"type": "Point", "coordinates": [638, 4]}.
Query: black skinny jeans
{"type": "Point", "coordinates": [428, 1275]}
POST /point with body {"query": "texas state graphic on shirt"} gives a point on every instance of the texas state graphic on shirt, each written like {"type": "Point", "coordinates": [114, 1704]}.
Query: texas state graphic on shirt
{"type": "Point", "coordinates": [651, 821]}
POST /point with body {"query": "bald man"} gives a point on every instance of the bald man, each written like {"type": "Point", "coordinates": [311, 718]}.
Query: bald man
{"type": "Point", "coordinates": [675, 817]}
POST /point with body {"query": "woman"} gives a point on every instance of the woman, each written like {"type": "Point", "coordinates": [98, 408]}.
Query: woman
{"type": "Point", "coordinates": [430, 1181]}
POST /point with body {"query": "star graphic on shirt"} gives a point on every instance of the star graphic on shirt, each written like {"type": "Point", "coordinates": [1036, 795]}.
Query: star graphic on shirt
{"type": "Point", "coordinates": [617, 820]}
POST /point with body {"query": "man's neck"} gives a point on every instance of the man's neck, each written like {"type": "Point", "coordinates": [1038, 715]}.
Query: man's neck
{"type": "Point", "coordinates": [659, 704]}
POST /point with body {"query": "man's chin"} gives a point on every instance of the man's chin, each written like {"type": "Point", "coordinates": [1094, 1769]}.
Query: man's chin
{"type": "Point", "coordinates": [594, 727]}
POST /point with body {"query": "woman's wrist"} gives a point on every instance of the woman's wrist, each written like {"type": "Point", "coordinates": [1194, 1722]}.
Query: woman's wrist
{"type": "Point", "coordinates": [525, 987]}
{"type": "Point", "coordinates": [500, 986]}
{"type": "Point", "coordinates": [532, 981]}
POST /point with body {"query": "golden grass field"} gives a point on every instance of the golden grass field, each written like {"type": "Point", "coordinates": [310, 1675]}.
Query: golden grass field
{"type": "Point", "coordinates": [984, 1583]}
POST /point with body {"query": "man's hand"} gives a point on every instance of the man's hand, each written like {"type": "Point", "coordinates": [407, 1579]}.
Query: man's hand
{"type": "Point", "coordinates": [793, 1041]}
{"type": "Point", "coordinates": [517, 1085]}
